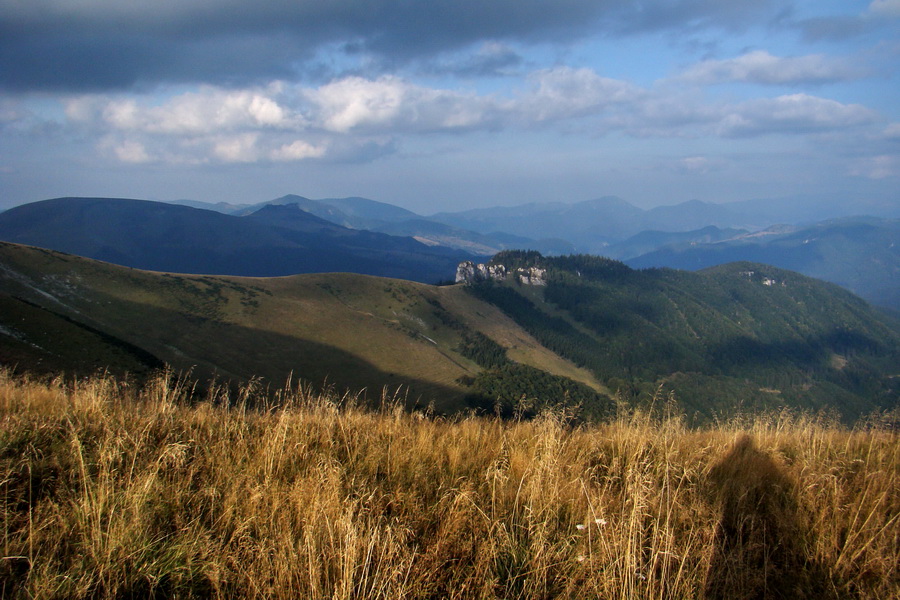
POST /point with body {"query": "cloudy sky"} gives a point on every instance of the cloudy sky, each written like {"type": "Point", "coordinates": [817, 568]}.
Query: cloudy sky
{"type": "Point", "coordinates": [450, 104]}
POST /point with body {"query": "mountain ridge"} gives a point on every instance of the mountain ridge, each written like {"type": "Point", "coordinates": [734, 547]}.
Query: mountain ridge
{"type": "Point", "coordinates": [740, 335]}
{"type": "Point", "coordinates": [164, 237]}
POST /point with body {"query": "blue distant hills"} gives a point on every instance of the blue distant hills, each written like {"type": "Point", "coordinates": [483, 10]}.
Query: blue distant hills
{"type": "Point", "coordinates": [296, 234]}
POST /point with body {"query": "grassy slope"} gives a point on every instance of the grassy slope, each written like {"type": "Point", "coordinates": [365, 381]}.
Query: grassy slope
{"type": "Point", "coordinates": [721, 339]}
{"type": "Point", "coordinates": [350, 330]}
{"type": "Point", "coordinates": [113, 492]}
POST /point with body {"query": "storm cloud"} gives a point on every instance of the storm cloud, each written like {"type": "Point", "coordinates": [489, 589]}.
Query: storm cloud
{"type": "Point", "coordinates": [118, 44]}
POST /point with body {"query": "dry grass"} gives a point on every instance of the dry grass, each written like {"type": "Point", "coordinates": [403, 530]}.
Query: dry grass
{"type": "Point", "coordinates": [115, 492]}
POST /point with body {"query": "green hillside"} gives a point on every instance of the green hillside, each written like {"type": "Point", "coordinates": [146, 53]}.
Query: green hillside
{"type": "Point", "coordinates": [737, 336]}
{"type": "Point", "coordinates": [351, 332]}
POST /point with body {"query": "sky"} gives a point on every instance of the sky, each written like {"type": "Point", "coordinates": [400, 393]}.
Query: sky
{"type": "Point", "coordinates": [444, 105]}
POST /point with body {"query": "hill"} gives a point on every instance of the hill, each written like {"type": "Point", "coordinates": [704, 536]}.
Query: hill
{"type": "Point", "coordinates": [165, 237]}
{"type": "Point", "coordinates": [737, 335]}
{"type": "Point", "coordinates": [592, 225]}
{"type": "Point", "coordinates": [861, 254]}
{"type": "Point", "coordinates": [365, 214]}
{"type": "Point", "coordinates": [350, 331]}
{"type": "Point", "coordinates": [740, 336]}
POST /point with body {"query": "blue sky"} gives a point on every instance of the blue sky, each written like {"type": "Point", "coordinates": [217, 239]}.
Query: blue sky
{"type": "Point", "coordinates": [440, 105]}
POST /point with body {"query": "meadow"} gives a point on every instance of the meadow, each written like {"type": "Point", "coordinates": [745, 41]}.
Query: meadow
{"type": "Point", "coordinates": [113, 490]}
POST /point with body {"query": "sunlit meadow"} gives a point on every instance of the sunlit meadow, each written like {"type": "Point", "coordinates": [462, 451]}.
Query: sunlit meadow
{"type": "Point", "coordinates": [116, 491]}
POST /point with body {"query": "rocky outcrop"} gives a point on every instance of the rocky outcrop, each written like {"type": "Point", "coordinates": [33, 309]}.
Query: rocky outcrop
{"type": "Point", "coordinates": [532, 275]}
{"type": "Point", "coordinates": [469, 272]}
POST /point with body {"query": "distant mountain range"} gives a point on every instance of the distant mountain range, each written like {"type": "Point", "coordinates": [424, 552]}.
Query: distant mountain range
{"type": "Point", "coordinates": [861, 254]}
{"type": "Point", "coordinates": [271, 241]}
{"type": "Point", "coordinates": [362, 213]}
{"type": "Point", "coordinates": [295, 234]}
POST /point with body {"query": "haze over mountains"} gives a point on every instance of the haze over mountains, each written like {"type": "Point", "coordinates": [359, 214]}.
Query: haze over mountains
{"type": "Point", "coordinates": [295, 234]}
{"type": "Point", "coordinates": [273, 241]}
{"type": "Point", "coordinates": [859, 253]}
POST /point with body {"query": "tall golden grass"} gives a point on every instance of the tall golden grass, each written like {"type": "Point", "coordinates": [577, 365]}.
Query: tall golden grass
{"type": "Point", "coordinates": [112, 491]}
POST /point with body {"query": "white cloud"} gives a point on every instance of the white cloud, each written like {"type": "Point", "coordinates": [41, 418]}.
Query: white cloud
{"type": "Point", "coordinates": [343, 118]}
{"type": "Point", "coordinates": [239, 148]}
{"type": "Point", "coordinates": [208, 110]}
{"type": "Point", "coordinates": [297, 150]}
{"type": "Point", "coordinates": [563, 92]}
{"type": "Point", "coordinates": [392, 103]}
{"type": "Point", "coordinates": [794, 113]}
{"type": "Point", "coordinates": [700, 164]}
{"type": "Point", "coordinates": [891, 132]}
{"type": "Point", "coordinates": [885, 8]}
{"type": "Point", "coordinates": [763, 68]}
{"type": "Point", "coordinates": [130, 151]}
{"type": "Point", "coordinates": [877, 167]}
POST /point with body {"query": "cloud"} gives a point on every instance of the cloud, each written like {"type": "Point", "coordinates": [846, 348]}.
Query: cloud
{"type": "Point", "coordinates": [491, 59]}
{"type": "Point", "coordinates": [353, 117]}
{"type": "Point", "coordinates": [763, 68]}
{"type": "Point", "coordinates": [392, 103]}
{"type": "Point", "coordinates": [96, 45]}
{"type": "Point", "coordinates": [297, 150]}
{"type": "Point", "coordinates": [877, 167]}
{"type": "Point", "coordinates": [700, 164]}
{"type": "Point", "coordinates": [565, 93]}
{"type": "Point", "coordinates": [891, 132]}
{"type": "Point", "coordinates": [885, 8]}
{"type": "Point", "coordinates": [879, 14]}
{"type": "Point", "coordinates": [130, 151]}
{"type": "Point", "coordinates": [792, 114]}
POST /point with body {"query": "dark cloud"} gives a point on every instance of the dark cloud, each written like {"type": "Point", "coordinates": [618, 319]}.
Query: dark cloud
{"type": "Point", "coordinates": [110, 44]}
{"type": "Point", "coordinates": [491, 60]}
{"type": "Point", "coordinates": [834, 28]}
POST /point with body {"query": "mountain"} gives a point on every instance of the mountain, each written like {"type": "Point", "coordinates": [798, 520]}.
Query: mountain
{"type": "Point", "coordinates": [593, 225]}
{"type": "Point", "coordinates": [741, 336]}
{"type": "Point", "coordinates": [728, 339]}
{"type": "Point", "coordinates": [861, 254]}
{"type": "Point", "coordinates": [222, 207]}
{"type": "Point", "coordinates": [649, 241]}
{"type": "Point", "coordinates": [179, 239]}
{"type": "Point", "coordinates": [365, 214]}
{"type": "Point", "coordinates": [694, 214]}
{"type": "Point", "coordinates": [350, 332]}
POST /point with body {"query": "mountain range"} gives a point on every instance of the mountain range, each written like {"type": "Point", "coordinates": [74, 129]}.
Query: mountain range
{"type": "Point", "coordinates": [732, 338]}
{"type": "Point", "coordinates": [861, 254]}
{"type": "Point", "coordinates": [271, 241]}
{"type": "Point", "coordinates": [295, 234]}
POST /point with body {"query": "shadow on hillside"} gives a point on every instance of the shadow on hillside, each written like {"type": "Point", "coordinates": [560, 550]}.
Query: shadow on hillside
{"type": "Point", "coordinates": [217, 352]}
{"type": "Point", "coordinates": [761, 541]}
{"type": "Point", "coordinates": [810, 352]}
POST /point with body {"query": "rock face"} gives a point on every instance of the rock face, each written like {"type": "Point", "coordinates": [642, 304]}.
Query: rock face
{"type": "Point", "coordinates": [532, 275]}
{"type": "Point", "coordinates": [469, 272]}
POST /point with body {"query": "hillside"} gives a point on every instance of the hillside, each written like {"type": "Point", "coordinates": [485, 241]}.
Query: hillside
{"type": "Point", "coordinates": [732, 338]}
{"type": "Point", "coordinates": [861, 254]}
{"type": "Point", "coordinates": [180, 239]}
{"type": "Point", "coordinates": [349, 331]}
{"type": "Point", "coordinates": [737, 336]}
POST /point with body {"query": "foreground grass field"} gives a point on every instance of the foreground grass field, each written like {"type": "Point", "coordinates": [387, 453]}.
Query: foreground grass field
{"type": "Point", "coordinates": [115, 492]}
